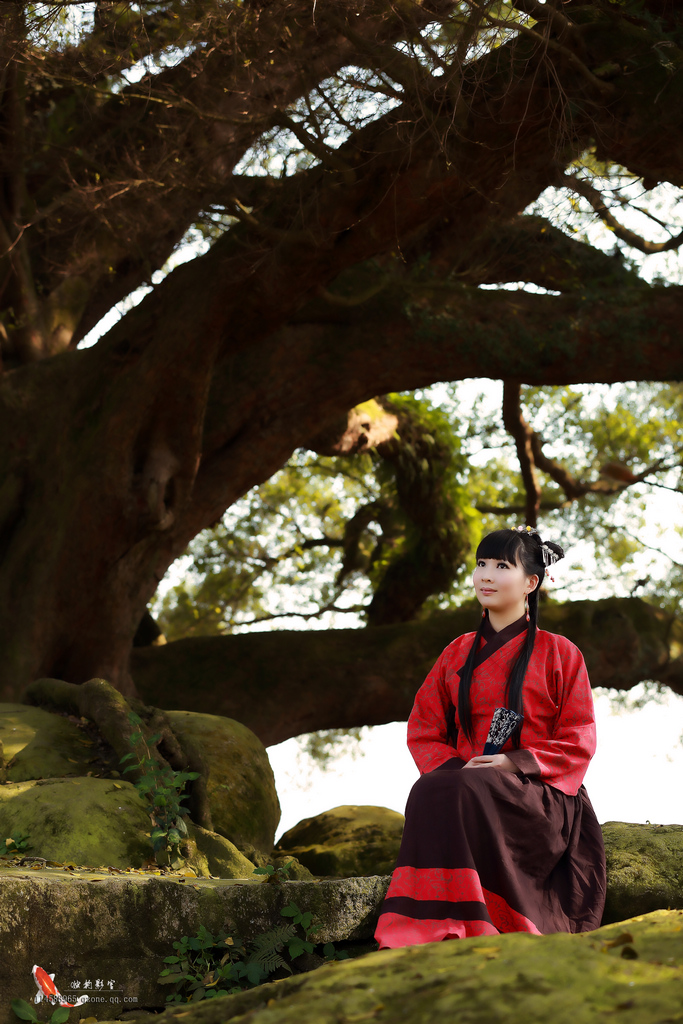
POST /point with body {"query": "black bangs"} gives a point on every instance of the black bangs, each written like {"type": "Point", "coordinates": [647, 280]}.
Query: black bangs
{"type": "Point", "coordinates": [502, 544]}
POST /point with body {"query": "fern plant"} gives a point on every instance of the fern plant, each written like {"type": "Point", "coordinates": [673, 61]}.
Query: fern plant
{"type": "Point", "coordinates": [205, 966]}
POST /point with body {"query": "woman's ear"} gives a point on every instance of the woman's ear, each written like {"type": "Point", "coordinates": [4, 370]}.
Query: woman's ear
{"type": "Point", "coordinates": [532, 583]}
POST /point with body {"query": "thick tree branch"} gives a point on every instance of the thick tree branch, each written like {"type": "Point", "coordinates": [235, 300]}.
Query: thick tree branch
{"type": "Point", "coordinates": [344, 678]}
{"type": "Point", "coordinates": [214, 103]}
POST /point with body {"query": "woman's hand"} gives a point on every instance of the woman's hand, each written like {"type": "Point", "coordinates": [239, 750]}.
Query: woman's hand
{"type": "Point", "coordinates": [493, 761]}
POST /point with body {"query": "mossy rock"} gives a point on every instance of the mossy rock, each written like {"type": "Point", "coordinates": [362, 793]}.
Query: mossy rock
{"type": "Point", "coordinates": [644, 868]}
{"type": "Point", "coordinates": [39, 745]}
{"type": "Point", "coordinates": [84, 820]}
{"type": "Point", "coordinates": [213, 855]}
{"type": "Point", "coordinates": [239, 780]}
{"type": "Point", "coordinates": [102, 822]}
{"type": "Point", "coordinates": [630, 972]}
{"type": "Point", "coordinates": [346, 841]}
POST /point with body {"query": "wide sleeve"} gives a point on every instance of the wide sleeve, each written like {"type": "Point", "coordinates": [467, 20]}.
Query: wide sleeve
{"type": "Point", "coordinates": [427, 736]}
{"type": "Point", "coordinates": [561, 755]}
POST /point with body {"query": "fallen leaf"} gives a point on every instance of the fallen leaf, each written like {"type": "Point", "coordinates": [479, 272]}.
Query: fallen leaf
{"type": "Point", "coordinates": [620, 940]}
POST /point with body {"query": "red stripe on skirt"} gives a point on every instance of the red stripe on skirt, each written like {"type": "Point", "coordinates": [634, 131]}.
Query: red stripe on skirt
{"type": "Point", "coordinates": [448, 885]}
{"type": "Point", "coordinates": [395, 931]}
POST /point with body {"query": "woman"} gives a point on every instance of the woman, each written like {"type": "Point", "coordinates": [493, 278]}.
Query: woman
{"type": "Point", "coordinates": [505, 842]}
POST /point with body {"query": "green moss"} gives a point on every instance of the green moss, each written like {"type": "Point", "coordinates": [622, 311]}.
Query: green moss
{"type": "Point", "coordinates": [215, 855]}
{"type": "Point", "coordinates": [84, 820]}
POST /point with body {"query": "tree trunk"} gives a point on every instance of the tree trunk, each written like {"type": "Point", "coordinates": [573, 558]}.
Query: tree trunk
{"type": "Point", "coordinates": [285, 683]}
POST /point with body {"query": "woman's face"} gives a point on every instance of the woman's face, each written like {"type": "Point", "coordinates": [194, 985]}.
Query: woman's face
{"type": "Point", "coordinates": [501, 586]}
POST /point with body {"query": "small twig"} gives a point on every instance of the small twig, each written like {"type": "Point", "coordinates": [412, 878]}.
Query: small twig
{"type": "Point", "coordinates": [327, 156]}
{"type": "Point", "coordinates": [596, 200]}
{"type": "Point", "coordinates": [651, 547]}
{"type": "Point", "coordinates": [605, 88]}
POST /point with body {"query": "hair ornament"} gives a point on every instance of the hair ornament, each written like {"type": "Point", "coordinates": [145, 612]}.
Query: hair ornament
{"type": "Point", "coordinates": [549, 556]}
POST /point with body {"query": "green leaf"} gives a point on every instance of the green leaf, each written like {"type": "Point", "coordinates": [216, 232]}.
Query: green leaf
{"type": "Point", "coordinates": [291, 910]}
{"type": "Point", "coordinates": [255, 974]}
{"type": "Point", "coordinates": [60, 1015]}
{"type": "Point", "coordinates": [296, 947]}
{"type": "Point", "coordinates": [23, 1010]}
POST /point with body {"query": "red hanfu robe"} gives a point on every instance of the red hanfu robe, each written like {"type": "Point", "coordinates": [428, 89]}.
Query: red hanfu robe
{"type": "Point", "coordinates": [485, 850]}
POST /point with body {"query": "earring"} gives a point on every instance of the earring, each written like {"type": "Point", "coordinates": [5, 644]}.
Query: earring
{"type": "Point", "coordinates": [526, 606]}
{"type": "Point", "coordinates": [483, 613]}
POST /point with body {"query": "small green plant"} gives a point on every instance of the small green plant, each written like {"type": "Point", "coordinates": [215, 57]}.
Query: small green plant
{"type": "Point", "coordinates": [24, 1011]}
{"type": "Point", "coordinates": [205, 966]}
{"type": "Point", "coordinates": [275, 875]}
{"type": "Point", "coordinates": [163, 789]}
{"type": "Point", "coordinates": [16, 843]}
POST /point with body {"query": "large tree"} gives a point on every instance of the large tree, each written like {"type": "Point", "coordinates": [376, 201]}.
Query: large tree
{"type": "Point", "coordinates": [357, 171]}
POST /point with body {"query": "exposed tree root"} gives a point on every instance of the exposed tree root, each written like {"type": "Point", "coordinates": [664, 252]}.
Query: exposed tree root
{"type": "Point", "coordinates": [98, 701]}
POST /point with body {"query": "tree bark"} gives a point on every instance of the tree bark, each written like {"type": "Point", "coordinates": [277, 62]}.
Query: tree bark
{"type": "Point", "coordinates": [284, 683]}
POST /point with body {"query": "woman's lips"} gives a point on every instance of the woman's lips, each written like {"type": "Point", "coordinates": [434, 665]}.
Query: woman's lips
{"type": "Point", "coordinates": [488, 590]}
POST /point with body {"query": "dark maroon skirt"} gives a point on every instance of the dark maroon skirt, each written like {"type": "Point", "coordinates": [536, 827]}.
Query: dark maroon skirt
{"type": "Point", "coordinates": [487, 851]}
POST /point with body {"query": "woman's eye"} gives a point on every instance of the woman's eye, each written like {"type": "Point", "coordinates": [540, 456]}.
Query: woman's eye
{"type": "Point", "coordinates": [502, 565]}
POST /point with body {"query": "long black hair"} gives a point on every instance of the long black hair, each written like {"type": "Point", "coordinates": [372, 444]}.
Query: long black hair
{"type": "Point", "coordinates": [525, 548]}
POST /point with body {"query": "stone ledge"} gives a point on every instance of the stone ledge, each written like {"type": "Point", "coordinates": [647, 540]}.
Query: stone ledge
{"type": "Point", "coordinates": [94, 926]}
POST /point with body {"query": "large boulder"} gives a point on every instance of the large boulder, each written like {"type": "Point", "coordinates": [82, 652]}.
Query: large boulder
{"type": "Point", "coordinates": [239, 780]}
{"type": "Point", "coordinates": [346, 841]}
{"type": "Point", "coordinates": [102, 822]}
{"type": "Point", "coordinates": [39, 745]}
{"type": "Point", "coordinates": [644, 868]}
